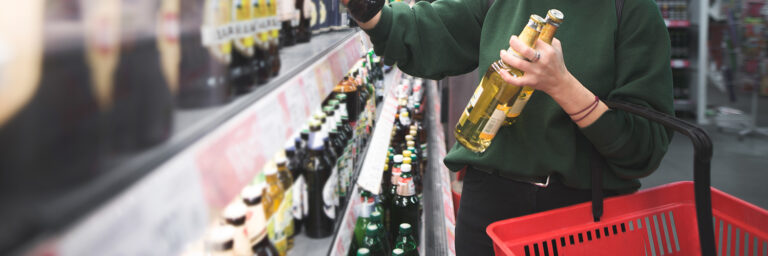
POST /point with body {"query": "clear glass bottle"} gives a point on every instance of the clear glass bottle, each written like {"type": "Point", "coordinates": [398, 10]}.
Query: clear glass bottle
{"type": "Point", "coordinates": [486, 110]}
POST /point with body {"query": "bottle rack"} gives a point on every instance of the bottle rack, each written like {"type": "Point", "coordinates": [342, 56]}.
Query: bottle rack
{"type": "Point", "coordinates": [437, 220]}
{"type": "Point", "coordinates": [166, 195]}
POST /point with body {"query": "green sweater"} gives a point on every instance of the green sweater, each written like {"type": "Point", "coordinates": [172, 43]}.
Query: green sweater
{"type": "Point", "coordinates": [452, 37]}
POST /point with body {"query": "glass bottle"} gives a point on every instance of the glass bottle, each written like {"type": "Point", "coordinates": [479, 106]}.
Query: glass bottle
{"type": "Point", "coordinates": [234, 215]}
{"type": "Point", "coordinates": [405, 241]}
{"type": "Point", "coordinates": [240, 72]}
{"type": "Point", "coordinates": [405, 206]}
{"type": "Point", "coordinates": [263, 64]}
{"type": "Point", "coordinates": [220, 241]}
{"type": "Point", "coordinates": [257, 223]}
{"type": "Point", "coordinates": [348, 88]}
{"type": "Point", "coordinates": [295, 167]}
{"type": "Point", "coordinates": [486, 110]}
{"type": "Point", "coordinates": [286, 9]}
{"type": "Point", "coordinates": [552, 22]}
{"type": "Point", "coordinates": [274, 38]}
{"type": "Point", "coordinates": [372, 241]}
{"type": "Point", "coordinates": [377, 219]}
{"type": "Point", "coordinates": [204, 66]}
{"type": "Point", "coordinates": [275, 191]}
{"type": "Point", "coordinates": [255, 216]}
{"type": "Point", "coordinates": [286, 181]}
{"type": "Point", "coordinates": [391, 190]}
{"type": "Point", "coordinates": [303, 31]}
{"type": "Point", "coordinates": [363, 218]}
{"type": "Point", "coordinates": [318, 223]}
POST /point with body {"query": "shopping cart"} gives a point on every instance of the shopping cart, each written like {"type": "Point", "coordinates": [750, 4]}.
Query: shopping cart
{"type": "Point", "coordinates": [657, 221]}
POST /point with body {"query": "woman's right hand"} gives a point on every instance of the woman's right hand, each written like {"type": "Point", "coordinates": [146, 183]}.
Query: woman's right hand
{"type": "Point", "coordinates": [365, 12]}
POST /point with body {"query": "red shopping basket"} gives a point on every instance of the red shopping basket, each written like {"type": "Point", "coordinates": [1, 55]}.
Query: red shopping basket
{"type": "Point", "coordinates": [657, 221]}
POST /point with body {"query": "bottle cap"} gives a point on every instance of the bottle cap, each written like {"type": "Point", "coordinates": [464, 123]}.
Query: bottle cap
{"type": "Point", "coordinates": [371, 230]}
{"type": "Point", "coordinates": [319, 115]}
{"type": "Point", "coordinates": [328, 109]}
{"type": "Point", "coordinates": [251, 194]}
{"type": "Point", "coordinates": [314, 125]}
{"type": "Point", "coordinates": [408, 137]}
{"type": "Point", "coordinates": [410, 144]}
{"type": "Point", "coordinates": [333, 102]}
{"type": "Point", "coordinates": [555, 17]}
{"type": "Point", "coordinates": [398, 158]}
{"type": "Point", "coordinates": [221, 238]}
{"type": "Point", "coordinates": [376, 216]}
{"type": "Point", "coordinates": [270, 168]}
{"type": "Point", "coordinates": [397, 251]}
{"type": "Point", "coordinates": [406, 167]}
{"type": "Point", "coordinates": [406, 154]}
{"type": "Point", "coordinates": [405, 228]}
{"type": "Point", "coordinates": [234, 214]}
{"type": "Point", "coordinates": [363, 252]}
{"type": "Point", "coordinates": [407, 160]}
{"type": "Point", "coordinates": [341, 97]}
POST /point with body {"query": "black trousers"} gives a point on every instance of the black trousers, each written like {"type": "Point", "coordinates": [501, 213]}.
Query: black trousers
{"type": "Point", "coordinates": [487, 198]}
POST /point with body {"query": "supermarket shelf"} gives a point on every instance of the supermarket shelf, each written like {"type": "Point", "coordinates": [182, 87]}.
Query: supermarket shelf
{"type": "Point", "coordinates": [374, 155]}
{"type": "Point", "coordinates": [440, 227]}
{"type": "Point", "coordinates": [680, 63]}
{"type": "Point", "coordinates": [166, 194]}
{"type": "Point", "coordinates": [677, 23]}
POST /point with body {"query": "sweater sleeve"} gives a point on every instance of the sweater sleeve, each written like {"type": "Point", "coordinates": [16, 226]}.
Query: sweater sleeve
{"type": "Point", "coordinates": [430, 40]}
{"type": "Point", "coordinates": [634, 146]}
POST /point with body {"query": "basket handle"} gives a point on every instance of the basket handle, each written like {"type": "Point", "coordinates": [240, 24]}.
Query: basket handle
{"type": "Point", "coordinates": [702, 155]}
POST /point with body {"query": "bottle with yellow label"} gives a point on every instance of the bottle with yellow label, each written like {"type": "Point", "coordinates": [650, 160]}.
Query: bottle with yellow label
{"type": "Point", "coordinates": [553, 21]}
{"type": "Point", "coordinates": [486, 110]}
{"type": "Point", "coordinates": [241, 73]}
{"type": "Point", "coordinates": [274, 38]}
{"type": "Point", "coordinates": [263, 62]}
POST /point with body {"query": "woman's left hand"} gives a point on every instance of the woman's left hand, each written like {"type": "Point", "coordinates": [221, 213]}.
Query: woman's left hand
{"type": "Point", "coordinates": [547, 73]}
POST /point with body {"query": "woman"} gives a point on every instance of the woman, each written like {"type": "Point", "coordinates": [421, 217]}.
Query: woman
{"type": "Point", "coordinates": [543, 160]}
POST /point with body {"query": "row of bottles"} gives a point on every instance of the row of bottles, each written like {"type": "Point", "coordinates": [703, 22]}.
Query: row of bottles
{"type": "Point", "coordinates": [390, 220]}
{"type": "Point", "coordinates": [673, 9]}
{"type": "Point", "coordinates": [85, 83]}
{"type": "Point", "coordinates": [496, 103]}
{"type": "Point", "coordinates": [303, 188]}
{"type": "Point", "coordinates": [680, 43]}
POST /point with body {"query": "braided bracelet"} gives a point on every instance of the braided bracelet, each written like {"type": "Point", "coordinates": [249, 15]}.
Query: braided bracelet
{"type": "Point", "coordinates": [588, 107]}
{"type": "Point", "coordinates": [593, 107]}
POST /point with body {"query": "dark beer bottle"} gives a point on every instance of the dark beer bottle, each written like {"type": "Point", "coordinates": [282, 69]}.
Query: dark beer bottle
{"type": "Point", "coordinates": [405, 206]}
{"type": "Point", "coordinates": [318, 223]}
{"type": "Point", "coordinates": [240, 70]}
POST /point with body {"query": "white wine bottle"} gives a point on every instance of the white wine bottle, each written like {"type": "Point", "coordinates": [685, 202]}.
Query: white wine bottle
{"type": "Point", "coordinates": [553, 21]}
{"type": "Point", "coordinates": [487, 108]}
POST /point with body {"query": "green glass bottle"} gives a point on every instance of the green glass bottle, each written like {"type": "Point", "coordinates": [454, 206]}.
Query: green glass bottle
{"type": "Point", "coordinates": [372, 241]}
{"type": "Point", "coordinates": [389, 194]}
{"type": "Point", "coordinates": [405, 207]}
{"type": "Point", "coordinates": [405, 241]}
{"type": "Point", "coordinates": [363, 218]}
{"type": "Point", "coordinates": [376, 219]}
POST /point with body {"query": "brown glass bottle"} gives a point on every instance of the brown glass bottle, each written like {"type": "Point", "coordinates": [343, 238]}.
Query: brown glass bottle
{"type": "Point", "coordinates": [204, 66]}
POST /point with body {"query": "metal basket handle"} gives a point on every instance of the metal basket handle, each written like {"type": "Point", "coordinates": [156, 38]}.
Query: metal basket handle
{"type": "Point", "coordinates": [702, 155]}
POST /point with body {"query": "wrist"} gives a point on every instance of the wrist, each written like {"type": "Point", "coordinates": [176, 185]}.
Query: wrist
{"type": "Point", "coordinates": [568, 86]}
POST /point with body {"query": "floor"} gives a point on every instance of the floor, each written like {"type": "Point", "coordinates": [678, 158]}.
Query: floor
{"type": "Point", "coordinates": [739, 167]}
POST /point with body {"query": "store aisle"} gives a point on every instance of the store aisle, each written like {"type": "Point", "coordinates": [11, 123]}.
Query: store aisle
{"type": "Point", "coordinates": [739, 168]}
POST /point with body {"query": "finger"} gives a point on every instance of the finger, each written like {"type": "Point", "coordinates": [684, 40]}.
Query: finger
{"type": "Point", "coordinates": [557, 45]}
{"type": "Point", "coordinates": [510, 79]}
{"type": "Point", "coordinates": [513, 61]}
{"type": "Point", "coordinates": [524, 50]}
{"type": "Point", "coordinates": [543, 48]}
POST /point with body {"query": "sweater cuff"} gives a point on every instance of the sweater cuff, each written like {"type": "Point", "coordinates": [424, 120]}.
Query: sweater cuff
{"type": "Point", "coordinates": [380, 32]}
{"type": "Point", "coordinates": [607, 132]}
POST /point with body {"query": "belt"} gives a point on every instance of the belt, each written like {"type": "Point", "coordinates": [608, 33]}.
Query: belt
{"type": "Point", "coordinates": [539, 181]}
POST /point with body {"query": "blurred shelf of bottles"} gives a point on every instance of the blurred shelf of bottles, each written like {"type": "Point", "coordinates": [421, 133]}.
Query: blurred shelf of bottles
{"type": "Point", "coordinates": [303, 189]}
{"type": "Point", "coordinates": [676, 16]}
{"type": "Point", "coordinates": [116, 89]}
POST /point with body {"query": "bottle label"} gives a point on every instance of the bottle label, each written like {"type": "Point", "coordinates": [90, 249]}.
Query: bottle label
{"type": "Point", "coordinates": [494, 122]}
{"type": "Point", "coordinates": [519, 104]}
{"type": "Point", "coordinates": [298, 193]}
{"type": "Point", "coordinates": [366, 207]}
{"type": "Point", "coordinates": [406, 187]}
{"type": "Point", "coordinates": [329, 197]}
